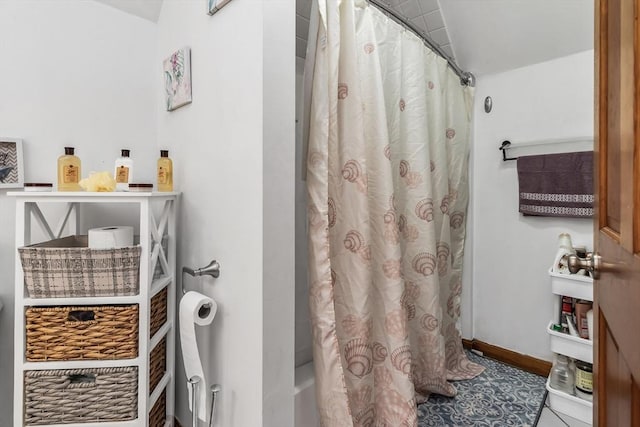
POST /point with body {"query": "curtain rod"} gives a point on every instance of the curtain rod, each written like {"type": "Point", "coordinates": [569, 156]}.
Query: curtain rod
{"type": "Point", "coordinates": [466, 78]}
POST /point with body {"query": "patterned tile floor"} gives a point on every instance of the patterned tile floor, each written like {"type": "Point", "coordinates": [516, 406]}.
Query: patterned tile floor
{"type": "Point", "coordinates": [499, 380]}
{"type": "Point", "coordinates": [501, 396]}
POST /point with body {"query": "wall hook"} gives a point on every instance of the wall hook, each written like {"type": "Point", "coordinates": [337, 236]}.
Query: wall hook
{"type": "Point", "coordinates": [488, 104]}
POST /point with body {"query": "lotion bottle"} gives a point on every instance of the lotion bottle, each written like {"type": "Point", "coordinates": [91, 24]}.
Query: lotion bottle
{"type": "Point", "coordinates": [69, 171]}
{"type": "Point", "coordinates": [561, 264]}
{"type": "Point", "coordinates": [165, 172]}
{"type": "Point", "coordinates": [123, 171]}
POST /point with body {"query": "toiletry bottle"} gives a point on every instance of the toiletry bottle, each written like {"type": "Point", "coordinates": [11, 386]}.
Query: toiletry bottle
{"type": "Point", "coordinates": [561, 263]}
{"type": "Point", "coordinates": [123, 171]}
{"type": "Point", "coordinates": [566, 312]}
{"type": "Point", "coordinates": [581, 309]}
{"type": "Point", "coordinates": [165, 172]}
{"type": "Point", "coordinates": [584, 380]}
{"type": "Point", "coordinates": [562, 377]}
{"type": "Point", "coordinates": [590, 323]}
{"type": "Point", "coordinates": [69, 171]}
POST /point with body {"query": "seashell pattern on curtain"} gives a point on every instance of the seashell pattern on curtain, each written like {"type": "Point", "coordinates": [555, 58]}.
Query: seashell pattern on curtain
{"type": "Point", "coordinates": [387, 177]}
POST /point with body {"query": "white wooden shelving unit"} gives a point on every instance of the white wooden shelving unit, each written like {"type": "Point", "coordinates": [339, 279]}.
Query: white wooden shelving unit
{"type": "Point", "coordinates": [580, 287]}
{"type": "Point", "coordinates": [157, 218]}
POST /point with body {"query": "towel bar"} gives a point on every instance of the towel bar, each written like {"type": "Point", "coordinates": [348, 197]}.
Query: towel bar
{"type": "Point", "coordinates": [506, 145]}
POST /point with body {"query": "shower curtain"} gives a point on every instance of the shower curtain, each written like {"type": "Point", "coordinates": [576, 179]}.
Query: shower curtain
{"type": "Point", "coordinates": [387, 177]}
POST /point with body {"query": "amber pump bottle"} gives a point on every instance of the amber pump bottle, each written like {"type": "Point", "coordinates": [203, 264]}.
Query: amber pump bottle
{"type": "Point", "coordinates": [165, 172]}
{"type": "Point", "coordinates": [69, 171]}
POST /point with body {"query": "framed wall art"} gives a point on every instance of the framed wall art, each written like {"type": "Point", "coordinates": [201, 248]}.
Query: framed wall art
{"type": "Point", "coordinates": [11, 163]}
{"type": "Point", "coordinates": [177, 79]}
{"type": "Point", "coordinates": [216, 5]}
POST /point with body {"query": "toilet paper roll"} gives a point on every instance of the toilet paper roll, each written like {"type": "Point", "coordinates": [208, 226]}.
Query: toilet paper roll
{"type": "Point", "coordinates": [195, 309]}
{"type": "Point", "coordinates": [110, 237]}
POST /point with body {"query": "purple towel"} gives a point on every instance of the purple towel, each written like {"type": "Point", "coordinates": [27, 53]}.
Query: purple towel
{"type": "Point", "coordinates": [557, 184]}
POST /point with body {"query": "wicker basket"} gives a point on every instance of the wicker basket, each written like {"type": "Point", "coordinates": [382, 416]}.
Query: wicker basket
{"type": "Point", "coordinates": [158, 414]}
{"type": "Point", "coordinates": [75, 333]}
{"type": "Point", "coordinates": [158, 313]}
{"type": "Point", "coordinates": [80, 395]}
{"type": "Point", "coordinates": [157, 364]}
{"type": "Point", "coordinates": [65, 268]}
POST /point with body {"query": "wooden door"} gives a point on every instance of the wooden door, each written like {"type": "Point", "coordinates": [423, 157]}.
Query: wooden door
{"type": "Point", "coordinates": [617, 223]}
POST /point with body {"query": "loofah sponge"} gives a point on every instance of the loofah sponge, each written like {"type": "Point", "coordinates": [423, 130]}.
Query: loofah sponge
{"type": "Point", "coordinates": [99, 181]}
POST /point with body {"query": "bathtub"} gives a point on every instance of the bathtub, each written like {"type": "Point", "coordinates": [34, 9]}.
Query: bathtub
{"type": "Point", "coordinates": [306, 414]}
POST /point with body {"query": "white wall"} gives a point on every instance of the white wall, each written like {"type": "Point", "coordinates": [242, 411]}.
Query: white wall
{"type": "Point", "coordinates": [73, 73]}
{"type": "Point", "coordinates": [512, 301]}
{"type": "Point", "coordinates": [233, 157]}
{"type": "Point", "coordinates": [467, 303]}
{"type": "Point", "coordinates": [304, 351]}
{"type": "Point", "coordinates": [278, 215]}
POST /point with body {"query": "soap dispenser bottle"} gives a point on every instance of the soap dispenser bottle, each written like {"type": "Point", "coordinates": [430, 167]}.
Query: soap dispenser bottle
{"type": "Point", "coordinates": [165, 172]}
{"type": "Point", "coordinates": [69, 171]}
{"type": "Point", "coordinates": [123, 171]}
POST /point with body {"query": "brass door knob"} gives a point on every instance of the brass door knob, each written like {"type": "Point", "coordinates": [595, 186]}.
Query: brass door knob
{"type": "Point", "coordinates": [592, 263]}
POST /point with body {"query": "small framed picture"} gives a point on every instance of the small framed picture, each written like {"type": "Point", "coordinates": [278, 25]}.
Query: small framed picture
{"type": "Point", "coordinates": [216, 5]}
{"type": "Point", "coordinates": [177, 79]}
{"type": "Point", "coordinates": [11, 169]}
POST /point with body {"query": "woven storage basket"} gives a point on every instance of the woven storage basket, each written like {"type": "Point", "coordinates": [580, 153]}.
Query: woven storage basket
{"type": "Point", "coordinates": [65, 268]}
{"type": "Point", "coordinates": [158, 313]}
{"type": "Point", "coordinates": [158, 414]}
{"type": "Point", "coordinates": [74, 333]}
{"type": "Point", "coordinates": [80, 395]}
{"type": "Point", "coordinates": [157, 364]}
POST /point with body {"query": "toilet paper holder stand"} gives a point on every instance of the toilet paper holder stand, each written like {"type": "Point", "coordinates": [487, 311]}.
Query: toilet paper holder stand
{"type": "Point", "coordinates": [212, 269]}
{"type": "Point", "coordinates": [194, 382]}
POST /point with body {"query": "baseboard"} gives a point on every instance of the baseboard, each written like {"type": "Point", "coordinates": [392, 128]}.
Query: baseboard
{"type": "Point", "coordinates": [522, 361]}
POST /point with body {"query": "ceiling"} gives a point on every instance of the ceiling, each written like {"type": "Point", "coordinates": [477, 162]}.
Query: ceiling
{"type": "Point", "coordinates": [483, 36]}
{"type": "Point", "coordinates": [147, 9]}
{"type": "Point", "coordinates": [490, 36]}
{"type": "Point", "coordinates": [424, 14]}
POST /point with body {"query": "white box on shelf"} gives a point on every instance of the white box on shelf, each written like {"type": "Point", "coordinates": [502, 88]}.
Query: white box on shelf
{"type": "Point", "coordinates": [572, 406]}
{"type": "Point", "coordinates": [575, 347]}
{"type": "Point", "coordinates": [572, 285]}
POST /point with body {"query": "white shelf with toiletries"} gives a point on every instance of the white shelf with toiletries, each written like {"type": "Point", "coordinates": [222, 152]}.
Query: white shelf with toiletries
{"type": "Point", "coordinates": [156, 222]}
{"type": "Point", "coordinates": [574, 347]}
{"type": "Point", "coordinates": [567, 404]}
{"type": "Point", "coordinates": [579, 287]}
{"type": "Point", "coordinates": [572, 285]}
